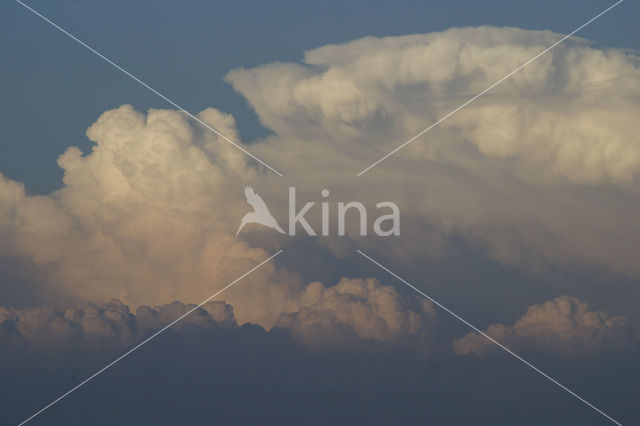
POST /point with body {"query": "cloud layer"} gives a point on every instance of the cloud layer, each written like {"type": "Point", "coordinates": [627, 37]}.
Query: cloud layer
{"type": "Point", "coordinates": [351, 311]}
{"type": "Point", "coordinates": [98, 326]}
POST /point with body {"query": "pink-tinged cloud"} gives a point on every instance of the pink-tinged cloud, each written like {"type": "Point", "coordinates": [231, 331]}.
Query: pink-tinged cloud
{"type": "Point", "coordinates": [564, 325]}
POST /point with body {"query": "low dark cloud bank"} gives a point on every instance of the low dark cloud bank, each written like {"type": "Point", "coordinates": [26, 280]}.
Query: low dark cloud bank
{"type": "Point", "coordinates": [209, 370]}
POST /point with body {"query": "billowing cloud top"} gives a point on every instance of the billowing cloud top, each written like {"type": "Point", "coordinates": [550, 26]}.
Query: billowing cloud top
{"type": "Point", "coordinates": [568, 115]}
{"type": "Point", "coordinates": [361, 309]}
{"type": "Point", "coordinates": [563, 325]}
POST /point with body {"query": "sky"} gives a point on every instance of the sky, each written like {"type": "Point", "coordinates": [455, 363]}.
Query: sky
{"type": "Point", "coordinates": [517, 214]}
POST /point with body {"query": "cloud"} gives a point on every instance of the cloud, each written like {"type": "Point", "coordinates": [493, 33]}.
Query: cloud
{"type": "Point", "coordinates": [144, 217]}
{"type": "Point", "coordinates": [244, 375]}
{"type": "Point", "coordinates": [539, 171]}
{"type": "Point", "coordinates": [568, 115]}
{"type": "Point", "coordinates": [543, 169]}
{"type": "Point", "coordinates": [358, 309]}
{"type": "Point", "coordinates": [109, 325]}
{"type": "Point", "coordinates": [344, 314]}
{"type": "Point", "coordinates": [564, 325]}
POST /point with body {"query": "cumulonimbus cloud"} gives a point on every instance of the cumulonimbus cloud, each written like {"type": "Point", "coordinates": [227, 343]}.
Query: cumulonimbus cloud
{"type": "Point", "coordinates": [541, 170]}
{"type": "Point", "coordinates": [564, 325]}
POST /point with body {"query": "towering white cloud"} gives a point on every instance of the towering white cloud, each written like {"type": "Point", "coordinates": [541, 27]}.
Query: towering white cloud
{"type": "Point", "coordinates": [541, 170]}
{"type": "Point", "coordinates": [146, 217]}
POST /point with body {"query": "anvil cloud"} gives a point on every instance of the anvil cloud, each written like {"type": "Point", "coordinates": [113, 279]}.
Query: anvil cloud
{"type": "Point", "coordinates": [542, 170]}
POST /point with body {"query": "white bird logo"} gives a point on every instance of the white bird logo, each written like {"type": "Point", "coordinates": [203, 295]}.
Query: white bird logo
{"type": "Point", "coordinates": [260, 213]}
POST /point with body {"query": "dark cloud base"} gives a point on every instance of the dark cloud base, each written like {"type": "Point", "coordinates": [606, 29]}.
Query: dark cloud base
{"type": "Point", "coordinates": [245, 375]}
